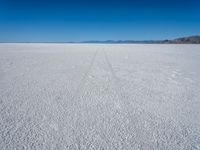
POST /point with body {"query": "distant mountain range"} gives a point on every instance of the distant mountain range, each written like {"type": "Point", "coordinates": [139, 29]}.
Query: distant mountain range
{"type": "Point", "coordinates": [184, 40]}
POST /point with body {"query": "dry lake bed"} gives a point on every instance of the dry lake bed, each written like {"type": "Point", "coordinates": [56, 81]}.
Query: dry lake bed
{"type": "Point", "coordinates": [99, 96]}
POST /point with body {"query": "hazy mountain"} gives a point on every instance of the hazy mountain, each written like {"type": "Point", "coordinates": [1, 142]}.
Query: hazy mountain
{"type": "Point", "coordinates": [182, 40]}
{"type": "Point", "coordinates": [185, 40]}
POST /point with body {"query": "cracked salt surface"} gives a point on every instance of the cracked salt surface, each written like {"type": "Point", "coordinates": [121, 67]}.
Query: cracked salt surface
{"type": "Point", "coordinates": [90, 96]}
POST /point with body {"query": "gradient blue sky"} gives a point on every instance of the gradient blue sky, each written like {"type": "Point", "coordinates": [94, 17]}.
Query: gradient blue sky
{"type": "Point", "coordinates": [80, 20]}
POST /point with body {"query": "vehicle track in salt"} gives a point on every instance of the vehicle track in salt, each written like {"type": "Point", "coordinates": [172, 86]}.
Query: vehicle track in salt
{"type": "Point", "coordinates": [80, 86]}
{"type": "Point", "coordinates": [119, 97]}
{"type": "Point", "coordinates": [84, 78]}
{"type": "Point", "coordinates": [73, 102]}
{"type": "Point", "coordinates": [117, 82]}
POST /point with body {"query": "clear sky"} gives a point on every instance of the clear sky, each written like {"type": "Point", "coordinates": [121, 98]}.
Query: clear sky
{"type": "Point", "coordinates": [80, 20]}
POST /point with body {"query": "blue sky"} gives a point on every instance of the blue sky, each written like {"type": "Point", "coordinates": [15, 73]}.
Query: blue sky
{"type": "Point", "coordinates": [80, 20]}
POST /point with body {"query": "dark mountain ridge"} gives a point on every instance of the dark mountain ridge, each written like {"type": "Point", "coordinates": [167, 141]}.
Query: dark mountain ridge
{"type": "Point", "coordinates": [185, 40]}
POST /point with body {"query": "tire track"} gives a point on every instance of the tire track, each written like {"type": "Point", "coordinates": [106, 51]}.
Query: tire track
{"type": "Point", "coordinates": [110, 66]}
{"type": "Point", "coordinates": [117, 85]}
{"type": "Point", "coordinates": [79, 88]}
{"type": "Point", "coordinates": [121, 103]}
{"type": "Point", "coordinates": [62, 106]}
{"type": "Point", "coordinates": [81, 84]}
{"type": "Point", "coordinates": [84, 78]}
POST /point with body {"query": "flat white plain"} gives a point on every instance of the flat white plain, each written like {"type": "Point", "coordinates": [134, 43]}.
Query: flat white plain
{"type": "Point", "coordinates": [99, 96]}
